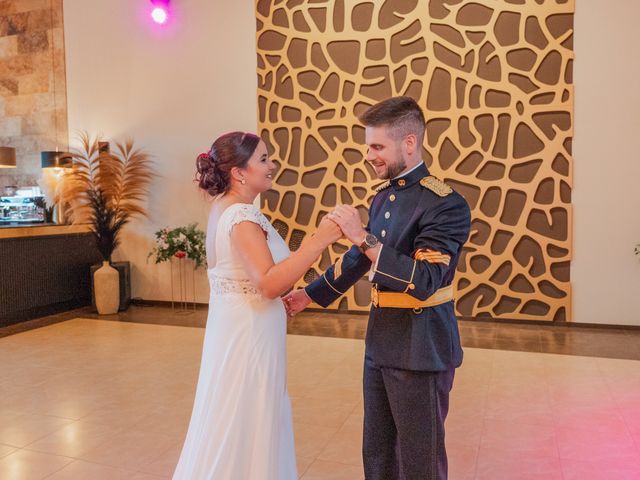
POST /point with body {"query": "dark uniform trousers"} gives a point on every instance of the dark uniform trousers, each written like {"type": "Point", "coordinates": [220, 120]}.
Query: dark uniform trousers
{"type": "Point", "coordinates": [411, 353]}
{"type": "Point", "coordinates": [404, 419]}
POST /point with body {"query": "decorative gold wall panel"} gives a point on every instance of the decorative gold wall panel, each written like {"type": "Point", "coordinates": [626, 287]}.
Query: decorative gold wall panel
{"type": "Point", "coordinates": [495, 81]}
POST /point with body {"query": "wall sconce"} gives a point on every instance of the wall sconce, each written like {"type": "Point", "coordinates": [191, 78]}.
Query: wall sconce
{"type": "Point", "coordinates": [7, 157]}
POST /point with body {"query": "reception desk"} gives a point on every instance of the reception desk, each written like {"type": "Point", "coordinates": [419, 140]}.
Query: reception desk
{"type": "Point", "coordinates": [44, 269]}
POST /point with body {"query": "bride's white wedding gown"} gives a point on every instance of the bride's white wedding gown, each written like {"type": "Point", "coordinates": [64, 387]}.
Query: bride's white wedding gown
{"type": "Point", "coordinates": [241, 427]}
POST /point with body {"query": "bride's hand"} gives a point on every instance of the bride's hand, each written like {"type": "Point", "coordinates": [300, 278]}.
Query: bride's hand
{"type": "Point", "coordinates": [296, 301]}
{"type": "Point", "coordinates": [348, 218]}
{"type": "Point", "coordinates": [328, 231]}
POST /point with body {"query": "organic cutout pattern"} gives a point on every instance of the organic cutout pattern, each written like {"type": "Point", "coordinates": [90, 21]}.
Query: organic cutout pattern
{"type": "Point", "coordinates": [496, 86]}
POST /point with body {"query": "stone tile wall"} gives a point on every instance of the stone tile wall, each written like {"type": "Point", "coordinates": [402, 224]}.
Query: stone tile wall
{"type": "Point", "coordinates": [32, 85]}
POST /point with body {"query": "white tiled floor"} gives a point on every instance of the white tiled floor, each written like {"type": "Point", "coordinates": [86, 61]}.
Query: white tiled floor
{"type": "Point", "coordinates": [90, 399]}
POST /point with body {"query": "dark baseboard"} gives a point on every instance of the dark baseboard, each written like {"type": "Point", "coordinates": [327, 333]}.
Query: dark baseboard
{"type": "Point", "coordinates": [548, 323]}
{"type": "Point", "coordinates": [509, 321]}
{"type": "Point", "coordinates": [512, 321]}
{"type": "Point", "coordinates": [140, 302]}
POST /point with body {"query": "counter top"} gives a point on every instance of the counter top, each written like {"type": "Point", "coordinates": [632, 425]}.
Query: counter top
{"type": "Point", "coordinates": [41, 230]}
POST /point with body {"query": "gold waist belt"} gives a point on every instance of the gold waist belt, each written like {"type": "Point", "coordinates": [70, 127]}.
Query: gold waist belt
{"type": "Point", "coordinates": [404, 300]}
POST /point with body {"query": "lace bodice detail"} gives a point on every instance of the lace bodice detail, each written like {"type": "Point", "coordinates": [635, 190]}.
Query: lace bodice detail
{"type": "Point", "coordinates": [243, 212]}
{"type": "Point", "coordinates": [228, 276]}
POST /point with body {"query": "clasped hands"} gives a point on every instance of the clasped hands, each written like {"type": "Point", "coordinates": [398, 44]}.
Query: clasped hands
{"type": "Point", "coordinates": [348, 219]}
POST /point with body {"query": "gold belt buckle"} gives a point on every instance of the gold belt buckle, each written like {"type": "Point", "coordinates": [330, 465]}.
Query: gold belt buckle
{"type": "Point", "coordinates": [374, 296]}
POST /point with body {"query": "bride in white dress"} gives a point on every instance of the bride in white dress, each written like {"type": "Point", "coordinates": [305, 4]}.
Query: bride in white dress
{"type": "Point", "coordinates": [241, 426]}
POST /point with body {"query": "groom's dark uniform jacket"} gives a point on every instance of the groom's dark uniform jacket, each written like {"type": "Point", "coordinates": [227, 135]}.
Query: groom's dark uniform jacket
{"type": "Point", "coordinates": [422, 224]}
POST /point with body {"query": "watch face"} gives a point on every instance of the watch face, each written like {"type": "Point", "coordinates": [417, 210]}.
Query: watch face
{"type": "Point", "coordinates": [371, 240]}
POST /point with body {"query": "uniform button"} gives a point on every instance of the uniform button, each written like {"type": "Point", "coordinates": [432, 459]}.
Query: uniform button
{"type": "Point", "coordinates": [387, 215]}
{"type": "Point", "coordinates": [402, 182]}
{"type": "Point", "coordinates": [383, 233]}
{"type": "Point", "coordinates": [412, 286]}
{"type": "Point", "coordinates": [392, 197]}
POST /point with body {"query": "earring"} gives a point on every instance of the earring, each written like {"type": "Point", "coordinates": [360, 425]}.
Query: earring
{"type": "Point", "coordinates": [243, 181]}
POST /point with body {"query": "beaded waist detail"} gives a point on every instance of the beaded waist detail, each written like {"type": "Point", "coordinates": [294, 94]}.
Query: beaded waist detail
{"type": "Point", "coordinates": [229, 286]}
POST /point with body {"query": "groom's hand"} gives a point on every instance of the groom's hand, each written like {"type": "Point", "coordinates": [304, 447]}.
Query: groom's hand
{"type": "Point", "coordinates": [348, 218]}
{"type": "Point", "coordinates": [296, 301]}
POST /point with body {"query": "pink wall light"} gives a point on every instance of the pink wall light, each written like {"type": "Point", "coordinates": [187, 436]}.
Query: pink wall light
{"type": "Point", "coordinates": [160, 12]}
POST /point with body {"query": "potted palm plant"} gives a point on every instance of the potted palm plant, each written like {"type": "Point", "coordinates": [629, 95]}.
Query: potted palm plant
{"type": "Point", "coordinates": [107, 189]}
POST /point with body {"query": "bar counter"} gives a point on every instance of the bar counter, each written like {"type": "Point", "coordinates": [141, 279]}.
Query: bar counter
{"type": "Point", "coordinates": [44, 269]}
{"type": "Point", "coordinates": [40, 230]}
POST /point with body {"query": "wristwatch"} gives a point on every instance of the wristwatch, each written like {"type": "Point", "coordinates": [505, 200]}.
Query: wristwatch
{"type": "Point", "coordinates": [370, 241]}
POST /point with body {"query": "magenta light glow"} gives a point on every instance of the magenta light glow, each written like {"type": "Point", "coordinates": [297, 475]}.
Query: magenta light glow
{"type": "Point", "coordinates": [159, 15]}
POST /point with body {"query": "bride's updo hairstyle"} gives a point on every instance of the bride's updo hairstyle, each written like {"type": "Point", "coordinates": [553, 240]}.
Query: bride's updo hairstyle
{"type": "Point", "coordinates": [228, 151]}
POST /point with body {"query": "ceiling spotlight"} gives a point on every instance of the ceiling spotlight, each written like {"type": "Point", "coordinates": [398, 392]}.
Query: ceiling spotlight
{"type": "Point", "coordinates": [159, 15]}
{"type": "Point", "coordinates": [160, 12]}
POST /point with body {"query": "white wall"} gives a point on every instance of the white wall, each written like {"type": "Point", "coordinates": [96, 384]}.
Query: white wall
{"type": "Point", "coordinates": [605, 272]}
{"type": "Point", "coordinates": [173, 89]}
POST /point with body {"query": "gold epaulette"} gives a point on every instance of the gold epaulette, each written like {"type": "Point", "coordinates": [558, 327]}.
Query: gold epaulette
{"type": "Point", "coordinates": [386, 184]}
{"type": "Point", "coordinates": [436, 185]}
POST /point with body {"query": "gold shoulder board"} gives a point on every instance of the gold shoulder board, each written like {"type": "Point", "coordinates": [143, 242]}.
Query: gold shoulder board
{"type": "Point", "coordinates": [436, 185]}
{"type": "Point", "coordinates": [383, 186]}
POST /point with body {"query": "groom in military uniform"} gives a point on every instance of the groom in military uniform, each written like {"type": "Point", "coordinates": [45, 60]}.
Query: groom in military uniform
{"type": "Point", "coordinates": [410, 248]}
